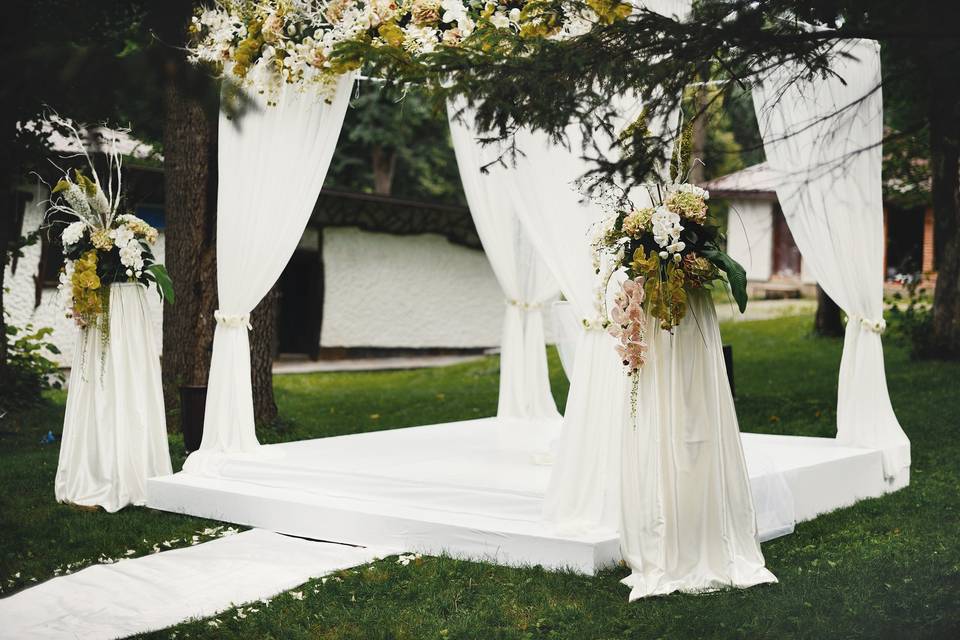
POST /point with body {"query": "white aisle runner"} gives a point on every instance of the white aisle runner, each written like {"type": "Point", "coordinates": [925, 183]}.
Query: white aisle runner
{"type": "Point", "coordinates": [156, 591]}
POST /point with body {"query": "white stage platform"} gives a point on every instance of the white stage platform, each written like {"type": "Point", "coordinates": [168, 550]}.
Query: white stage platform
{"type": "Point", "coordinates": [475, 490]}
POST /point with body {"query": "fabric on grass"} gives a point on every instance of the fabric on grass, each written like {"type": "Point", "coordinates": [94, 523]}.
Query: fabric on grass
{"type": "Point", "coordinates": [160, 590]}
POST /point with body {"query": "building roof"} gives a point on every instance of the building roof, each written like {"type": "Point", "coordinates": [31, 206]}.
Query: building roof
{"type": "Point", "coordinates": [757, 181]}
{"type": "Point", "coordinates": [95, 140]}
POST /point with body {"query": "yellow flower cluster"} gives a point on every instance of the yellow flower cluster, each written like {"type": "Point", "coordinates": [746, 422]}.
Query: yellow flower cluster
{"type": "Point", "coordinates": [87, 303]}
{"type": "Point", "coordinates": [100, 238]}
{"type": "Point", "coordinates": [665, 293]}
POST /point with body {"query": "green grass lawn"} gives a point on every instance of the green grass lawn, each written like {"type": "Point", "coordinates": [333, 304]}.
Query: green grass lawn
{"type": "Point", "coordinates": [888, 567]}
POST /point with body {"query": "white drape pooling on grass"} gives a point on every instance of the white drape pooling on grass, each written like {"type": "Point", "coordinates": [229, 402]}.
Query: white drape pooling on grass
{"type": "Point", "coordinates": [689, 522]}
{"type": "Point", "coordinates": [114, 429]}
{"type": "Point", "coordinates": [822, 138]}
{"type": "Point", "coordinates": [525, 281]}
{"type": "Point", "coordinates": [273, 159]}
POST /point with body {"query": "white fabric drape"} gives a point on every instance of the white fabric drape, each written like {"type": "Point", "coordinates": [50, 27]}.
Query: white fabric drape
{"type": "Point", "coordinates": [114, 430]}
{"type": "Point", "coordinates": [525, 281]}
{"type": "Point", "coordinates": [822, 140]}
{"type": "Point", "coordinates": [584, 487]}
{"type": "Point", "coordinates": [272, 163]}
{"type": "Point", "coordinates": [688, 523]}
{"type": "Point", "coordinates": [137, 595]}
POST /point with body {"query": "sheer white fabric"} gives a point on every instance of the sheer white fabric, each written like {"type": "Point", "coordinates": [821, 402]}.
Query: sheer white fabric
{"type": "Point", "coordinates": [114, 430]}
{"type": "Point", "coordinates": [822, 139]}
{"type": "Point", "coordinates": [584, 489]}
{"type": "Point", "coordinates": [272, 163]}
{"type": "Point", "coordinates": [688, 522]}
{"type": "Point", "coordinates": [566, 329]}
{"type": "Point", "coordinates": [525, 281]}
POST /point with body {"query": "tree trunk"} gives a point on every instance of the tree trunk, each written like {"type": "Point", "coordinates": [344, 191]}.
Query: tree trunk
{"type": "Point", "coordinates": [827, 322]}
{"type": "Point", "coordinates": [262, 350]}
{"type": "Point", "coordinates": [384, 163]}
{"type": "Point", "coordinates": [189, 184]}
{"type": "Point", "coordinates": [945, 194]}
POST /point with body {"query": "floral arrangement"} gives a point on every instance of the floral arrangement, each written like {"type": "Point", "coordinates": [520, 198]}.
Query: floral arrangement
{"type": "Point", "coordinates": [665, 250]}
{"type": "Point", "coordinates": [261, 42]}
{"type": "Point", "coordinates": [102, 246]}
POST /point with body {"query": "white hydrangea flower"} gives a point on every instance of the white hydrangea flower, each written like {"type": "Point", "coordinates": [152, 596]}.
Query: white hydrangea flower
{"type": "Point", "coordinates": [73, 233]}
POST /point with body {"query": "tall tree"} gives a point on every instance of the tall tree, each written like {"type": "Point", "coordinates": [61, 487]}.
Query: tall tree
{"type": "Point", "coordinates": [122, 62]}
{"type": "Point", "coordinates": [191, 103]}
{"type": "Point", "coordinates": [396, 143]}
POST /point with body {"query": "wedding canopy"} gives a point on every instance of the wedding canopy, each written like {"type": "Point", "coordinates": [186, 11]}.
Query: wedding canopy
{"type": "Point", "coordinates": [535, 229]}
{"type": "Point", "coordinates": [674, 487]}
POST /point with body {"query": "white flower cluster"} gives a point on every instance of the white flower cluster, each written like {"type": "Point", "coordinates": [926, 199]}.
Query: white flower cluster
{"type": "Point", "coordinates": [686, 187]}
{"type": "Point", "coordinates": [65, 285]}
{"type": "Point", "coordinates": [131, 253]}
{"type": "Point", "coordinates": [294, 42]}
{"type": "Point", "coordinates": [73, 233]}
{"type": "Point", "coordinates": [666, 229]}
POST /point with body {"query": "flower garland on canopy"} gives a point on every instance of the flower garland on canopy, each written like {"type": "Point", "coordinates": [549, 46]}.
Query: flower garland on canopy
{"type": "Point", "coordinates": [262, 42]}
{"type": "Point", "coordinates": [102, 246]}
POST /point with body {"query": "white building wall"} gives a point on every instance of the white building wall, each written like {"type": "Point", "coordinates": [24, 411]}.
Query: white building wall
{"type": "Point", "coordinates": [413, 291]}
{"type": "Point", "coordinates": [20, 298]}
{"type": "Point", "coordinates": [750, 236]}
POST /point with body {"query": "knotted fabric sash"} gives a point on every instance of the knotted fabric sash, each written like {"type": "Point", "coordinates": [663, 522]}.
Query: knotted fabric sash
{"type": "Point", "coordinates": [233, 319]}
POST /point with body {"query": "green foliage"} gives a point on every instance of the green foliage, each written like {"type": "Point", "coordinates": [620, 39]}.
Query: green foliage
{"type": "Point", "coordinates": [910, 320]}
{"type": "Point", "coordinates": [158, 273]}
{"type": "Point", "coordinates": [736, 275]}
{"type": "Point", "coordinates": [409, 131]}
{"type": "Point", "coordinates": [29, 371]}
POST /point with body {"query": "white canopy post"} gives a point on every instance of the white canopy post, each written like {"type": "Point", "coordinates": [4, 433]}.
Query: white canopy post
{"type": "Point", "coordinates": [272, 163]}
{"type": "Point", "coordinates": [525, 281]}
{"type": "Point", "coordinates": [822, 138]}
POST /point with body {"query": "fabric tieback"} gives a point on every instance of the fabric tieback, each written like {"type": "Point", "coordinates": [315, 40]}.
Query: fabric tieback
{"type": "Point", "coordinates": [876, 326]}
{"type": "Point", "coordinates": [597, 324]}
{"type": "Point", "coordinates": [524, 306]}
{"type": "Point", "coordinates": [233, 319]}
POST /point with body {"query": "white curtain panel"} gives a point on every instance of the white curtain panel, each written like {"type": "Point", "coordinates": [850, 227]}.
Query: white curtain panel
{"type": "Point", "coordinates": [822, 139]}
{"type": "Point", "coordinates": [526, 283]}
{"type": "Point", "coordinates": [584, 486]}
{"type": "Point", "coordinates": [689, 522]}
{"type": "Point", "coordinates": [273, 160]}
{"type": "Point", "coordinates": [114, 430]}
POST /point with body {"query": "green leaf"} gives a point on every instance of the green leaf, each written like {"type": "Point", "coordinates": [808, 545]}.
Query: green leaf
{"type": "Point", "coordinates": [736, 275]}
{"type": "Point", "coordinates": [164, 283]}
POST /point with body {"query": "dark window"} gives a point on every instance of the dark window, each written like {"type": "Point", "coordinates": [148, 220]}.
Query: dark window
{"type": "Point", "coordinates": [152, 214]}
{"type": "Point", "coordinates": [14, 207]}
{"type": "Point", "coordinates": [51, 249]}
{"type": "Point", "coordinates": [904, 241]}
